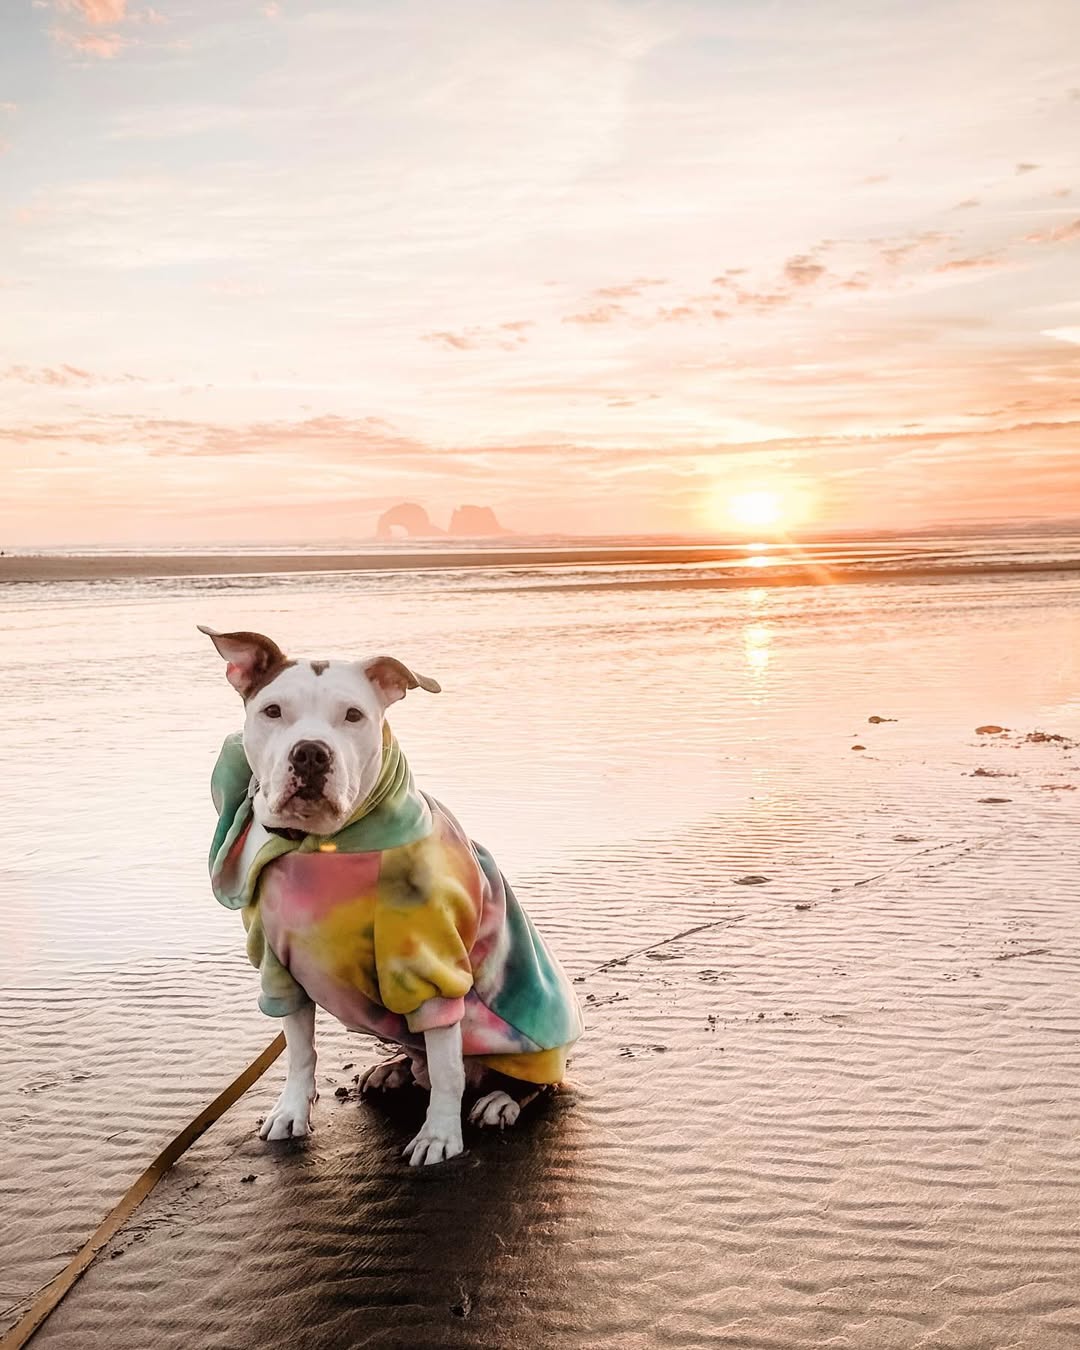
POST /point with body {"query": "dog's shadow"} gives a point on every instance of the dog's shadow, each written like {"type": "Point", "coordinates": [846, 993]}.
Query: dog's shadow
{"type": "Point", "coordinates": [363, 1249]}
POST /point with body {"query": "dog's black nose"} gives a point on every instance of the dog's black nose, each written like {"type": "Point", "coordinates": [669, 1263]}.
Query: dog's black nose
{"type": "Point", "coordinates": [310, 758]}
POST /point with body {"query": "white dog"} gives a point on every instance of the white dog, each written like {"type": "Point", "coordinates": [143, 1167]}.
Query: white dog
{"type": "Point", "coordinates": [363, 895]}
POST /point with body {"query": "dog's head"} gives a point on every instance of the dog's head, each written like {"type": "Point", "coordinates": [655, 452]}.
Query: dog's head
{"type": "Point", "coordinates": [312, 729]}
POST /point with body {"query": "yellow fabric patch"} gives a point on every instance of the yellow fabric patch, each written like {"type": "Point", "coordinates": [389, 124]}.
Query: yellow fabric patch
{"type": "Point", "coordinates": [425, 925]}
{"type": "Point", "coordinates": [537, 1066]}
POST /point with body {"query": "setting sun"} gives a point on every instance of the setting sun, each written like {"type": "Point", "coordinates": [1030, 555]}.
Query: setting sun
{"type": "Point", "coordinates": [758, 509]}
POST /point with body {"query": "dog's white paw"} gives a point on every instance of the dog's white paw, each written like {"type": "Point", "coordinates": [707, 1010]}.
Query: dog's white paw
{"type": "Point", "coordinates": [496, 1110]}
{"type": "Point", "coordinates": [291, 1116]}
{"type": "Point", "coordinates": [437, 1141]}
{"type": "Point", "coordinates": [392, 1073]}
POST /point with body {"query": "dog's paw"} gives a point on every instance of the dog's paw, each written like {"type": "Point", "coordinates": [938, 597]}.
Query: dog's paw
{"type": "Point", "coordinates": [392, 1073]}
{"type": "Point", "coordinates": [436, 1142]}
{"type": "Point", "coordinates": [496, 1110]}
{"type": "Point", "coordinates": [291, 1116]}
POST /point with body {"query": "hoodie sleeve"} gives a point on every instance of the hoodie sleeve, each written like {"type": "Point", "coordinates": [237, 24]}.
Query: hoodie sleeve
{"type": "Point", "coordinates": [281, 994]}
{"type": "Point", "coordinates": [425, 925]}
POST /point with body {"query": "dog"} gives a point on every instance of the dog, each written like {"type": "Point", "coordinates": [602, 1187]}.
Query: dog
{"type": "Point", "coordinates": [363, 895]}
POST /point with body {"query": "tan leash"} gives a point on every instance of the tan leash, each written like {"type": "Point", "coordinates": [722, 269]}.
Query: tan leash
{"type": "Point", "coordinates": [58, 1288]}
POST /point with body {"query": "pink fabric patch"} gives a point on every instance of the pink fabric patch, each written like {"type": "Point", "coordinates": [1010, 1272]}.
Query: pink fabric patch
{"type": "Point", "coordinates": [303, 888]}
{"type": "Point", "coordinates": [436, 1012]}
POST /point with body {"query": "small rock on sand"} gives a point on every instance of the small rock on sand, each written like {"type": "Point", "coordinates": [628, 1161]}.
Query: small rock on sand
{"type": "Point", "coordinates": [1047, 738]}
{"type": "Point", "coordinates": [990, 729]}
{"type": "Point", "coordinates": [876, 721]}
{"type": "Point", "coordinates": [858, 747]}
{"type": "Point", "coordinates": [993, 801]}
{"type": "Point", "coordinates": [751, 881]}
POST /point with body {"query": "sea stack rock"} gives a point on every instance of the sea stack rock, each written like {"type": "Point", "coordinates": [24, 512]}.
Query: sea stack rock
{"type": "Point", "coordinates": [475, 521]}
{"type": "Point", "coordinates": [407, 518]}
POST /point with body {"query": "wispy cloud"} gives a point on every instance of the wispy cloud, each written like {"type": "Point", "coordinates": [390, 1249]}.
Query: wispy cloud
{"type": "Point", "coordinates": [103, 45]}
{"type": "Point", "coordinates": [96, 15]}
{"type": "Point", "coordinates": [506, 337]}
{"type": "Point", "coordinates": [803, 270]}
{"type": "Point", "coordinates": [1057, 234]}
{"type": "Point", "coordinates": [598, 315]}
{"type": "Point", "coordinates": [983, 262]}
{"type": "Point", "coordinates": [61, 377]}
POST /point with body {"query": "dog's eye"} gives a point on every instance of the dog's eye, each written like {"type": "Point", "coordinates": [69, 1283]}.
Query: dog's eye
{"type": "Point", "coordinates": [354, 715]}
{"type": "Point", "coordinates": [272, 710]}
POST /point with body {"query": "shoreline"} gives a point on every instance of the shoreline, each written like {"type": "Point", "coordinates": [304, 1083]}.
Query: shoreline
{"type": "Point", "coordinates": [40, 568]}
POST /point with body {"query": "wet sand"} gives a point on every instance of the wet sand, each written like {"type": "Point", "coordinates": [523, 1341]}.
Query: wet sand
{"type": "Point", "coordinates": [852, 1124]}
{"type": "Point", "coordinates": [834, 1106]}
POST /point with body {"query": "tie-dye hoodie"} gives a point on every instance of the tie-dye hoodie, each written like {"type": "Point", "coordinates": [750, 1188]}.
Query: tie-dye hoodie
{"type": "Point", "coordinates": [395, 925]}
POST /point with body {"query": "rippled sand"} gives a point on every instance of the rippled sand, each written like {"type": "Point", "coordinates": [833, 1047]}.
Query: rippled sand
{"type": "Point", "coordinates": [834, 1107]}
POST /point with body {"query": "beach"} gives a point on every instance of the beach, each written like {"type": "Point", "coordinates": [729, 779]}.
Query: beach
{"type": "Point", "coordinates": [822, 927]}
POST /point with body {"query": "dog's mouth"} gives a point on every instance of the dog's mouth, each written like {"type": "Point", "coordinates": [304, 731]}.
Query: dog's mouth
{"type": "Point", "coordinates": [305, 805]}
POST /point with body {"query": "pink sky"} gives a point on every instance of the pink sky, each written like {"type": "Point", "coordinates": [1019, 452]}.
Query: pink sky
{"type": "Point", "coordinates": [267, 268]}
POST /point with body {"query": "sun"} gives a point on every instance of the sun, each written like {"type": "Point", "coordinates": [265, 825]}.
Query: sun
{"type": "Point", "coordinates": [759, 509]}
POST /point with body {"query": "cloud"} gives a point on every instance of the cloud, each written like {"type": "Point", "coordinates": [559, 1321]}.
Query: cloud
{"type": "Point", "coordinates": [894, 253]}
{"type": "Point", "coordinates": [1026, 168]}
{"type": "Point", "coordinates": [982, 262]}
{"type": "Point", "coordinates": [1060, 234]}
{"type": "Point", "coordinates": [601, 314]}
{"type": "Point", "coordinates": [1063, 334]}
{"type": "Point", "coordinates": [803, 270]}
{"type": "Point", "coordinates": [100, 12]}
{"type": "Point", "coordinates": [103, 45]}
{"type": "Point", "coordinates": [62, 377]}
{"type": "Point", "coordinates": [967, 204]}
{"type": "Point", "coordinates": [630, 289]}
{"type": "Point", "coordinates": [505, 337]}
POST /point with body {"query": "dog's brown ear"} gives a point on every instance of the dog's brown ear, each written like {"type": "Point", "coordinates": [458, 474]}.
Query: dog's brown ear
{"type": "Point", "coordinates": [251, 659]}
{"type": "Point", "coordinates": [393, 679]}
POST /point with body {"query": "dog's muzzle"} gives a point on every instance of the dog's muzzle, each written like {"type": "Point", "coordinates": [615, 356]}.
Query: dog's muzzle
{"type": "Point", "coordinates": [311, 762]}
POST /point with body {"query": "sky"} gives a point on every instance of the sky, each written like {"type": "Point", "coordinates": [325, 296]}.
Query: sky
{"type": "Point", "coordinates": [268, 267]}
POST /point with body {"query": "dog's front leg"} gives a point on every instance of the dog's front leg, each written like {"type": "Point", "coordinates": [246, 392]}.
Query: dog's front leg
{"type": "Point", "coordinates": [441, 1136]}
{"type": "Point", "coordinates": [291, 1116]}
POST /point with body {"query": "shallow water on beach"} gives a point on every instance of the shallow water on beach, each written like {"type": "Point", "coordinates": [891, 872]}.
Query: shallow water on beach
{"type": "Point", "coordinates": [851, 1122]}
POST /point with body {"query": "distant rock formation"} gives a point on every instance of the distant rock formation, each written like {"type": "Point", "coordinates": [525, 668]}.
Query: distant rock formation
{"type": "Point", "coordinates": [476, 521]}
{"type": "Point", "coordinates": [406, 518]}
{"type": "Point", "coordinates": [409, 519]}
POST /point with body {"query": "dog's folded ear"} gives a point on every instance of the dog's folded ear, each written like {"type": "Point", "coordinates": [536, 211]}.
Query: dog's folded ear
{"type": "Point", "coordinates": [251, 659]}
{"type": "Point", "coordinates": [393, 679]}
